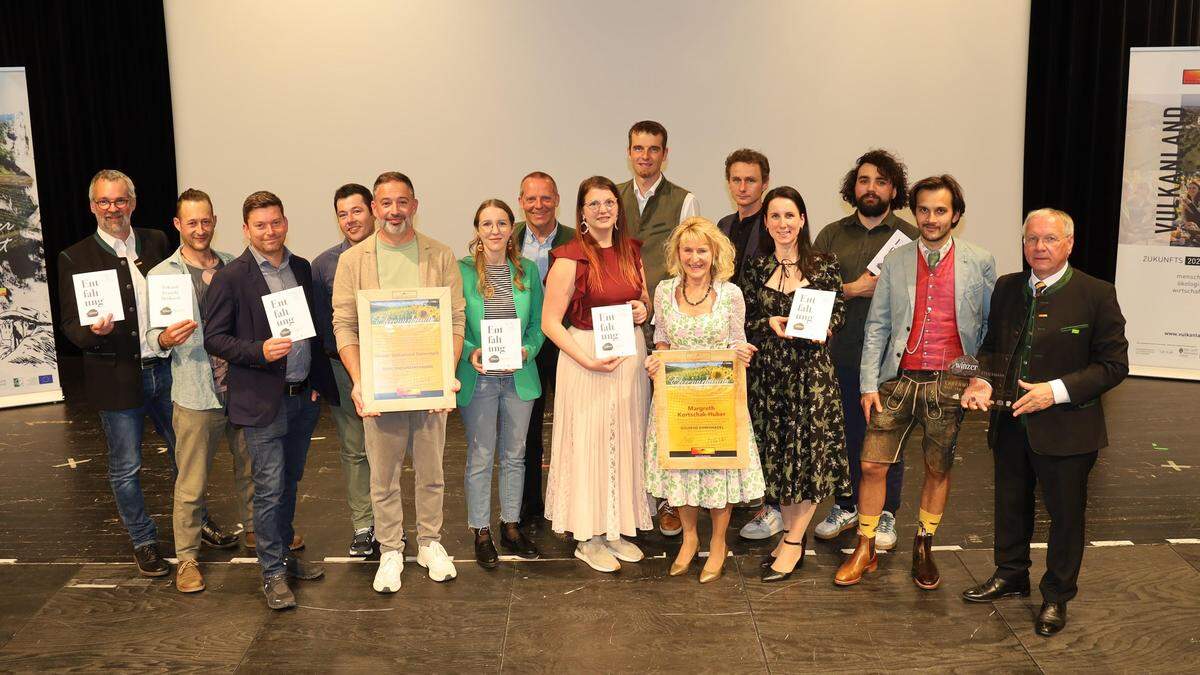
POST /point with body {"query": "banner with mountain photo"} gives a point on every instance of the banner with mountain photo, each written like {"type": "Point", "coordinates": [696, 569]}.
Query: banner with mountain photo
{"type": "Point", "coordinates": [28, 361]}
{"type": "Point", "coordinates": [1158, 251]}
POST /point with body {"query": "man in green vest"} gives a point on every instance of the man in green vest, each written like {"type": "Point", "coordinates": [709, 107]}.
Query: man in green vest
{"type": "Point", "coordinates": [536, 236]}
{"type": "Point", "coordinates": [653, 206]}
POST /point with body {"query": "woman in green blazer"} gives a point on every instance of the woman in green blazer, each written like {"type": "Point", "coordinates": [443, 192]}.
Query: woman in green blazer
{"type": "Point", "coordinates": [495, 404]}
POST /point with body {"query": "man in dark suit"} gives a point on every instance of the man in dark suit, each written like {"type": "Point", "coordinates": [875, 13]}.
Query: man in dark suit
{"type": "Point", "coordinates": [125, 377]}
{"type": "Point", "coordinates": [1059, 335]}
{"type": "Point", "coordinates": [536, 236]}
{"type": "Point", "coordinates": [273, 384]}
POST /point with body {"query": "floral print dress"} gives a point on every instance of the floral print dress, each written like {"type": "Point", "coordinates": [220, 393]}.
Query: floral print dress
{"type": "Point", "coordinates": [721, 328]}
{"type": "Point", "coordinates": [795, 401]}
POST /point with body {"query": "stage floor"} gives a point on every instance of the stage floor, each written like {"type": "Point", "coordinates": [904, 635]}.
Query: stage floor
{"type": "Point", "coordinates": [70, 597]}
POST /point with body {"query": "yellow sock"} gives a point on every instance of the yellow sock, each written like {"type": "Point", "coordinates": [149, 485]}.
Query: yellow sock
{"type": "Point", "coordinates": [867, 525]}
{"type": "Point", "coordinates": [929, 521]}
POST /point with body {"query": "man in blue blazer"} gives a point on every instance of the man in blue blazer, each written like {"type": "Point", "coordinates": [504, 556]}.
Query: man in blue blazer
{"type": "Point", "coordinates": [929, 309]}
{"type": "Point", "coordinates": [273, 384]}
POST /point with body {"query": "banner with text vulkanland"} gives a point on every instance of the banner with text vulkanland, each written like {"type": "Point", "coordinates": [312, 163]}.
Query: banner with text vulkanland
{"type": "Point", "coordinates": [1158, 253]}
{"type": "Point", "coordinates": [28, 362]}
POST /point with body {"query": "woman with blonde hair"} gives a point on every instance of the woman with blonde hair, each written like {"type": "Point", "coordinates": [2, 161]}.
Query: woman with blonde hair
{"type": "Point", "coordinates": [697, 308]}
{"type": "Point", "coordinates": [495, 404]}
{"type": "Point", "coordinates": [596, 489]}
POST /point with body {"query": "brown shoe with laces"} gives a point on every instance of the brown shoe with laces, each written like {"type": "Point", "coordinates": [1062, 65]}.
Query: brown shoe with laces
{"type": "Point", "coordinates": [188, 578]}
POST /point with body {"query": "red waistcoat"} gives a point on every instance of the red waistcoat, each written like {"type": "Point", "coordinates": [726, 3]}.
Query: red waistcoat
{"type": "Point", "coordinates": [933, 342]}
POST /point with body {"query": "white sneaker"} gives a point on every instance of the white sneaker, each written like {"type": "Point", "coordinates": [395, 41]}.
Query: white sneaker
{"type": "Point", "coordinates": [387, 579]}
{"type": "Point", "coordinates": [435, 559]}
{"type": "Point", "coordinates": [838, 521]}
{"type": "Point", "coordinates": [885, 533]}
{"type": "Point", "coordinates": [597, 555]}
{"type": "Point", "coordinates": [625, 551]}
{"type": "Point", "coordinates": [767, 523]}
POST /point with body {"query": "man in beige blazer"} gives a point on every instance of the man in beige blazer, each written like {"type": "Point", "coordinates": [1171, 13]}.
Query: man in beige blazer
{"type": "Point", "coordinates": [396, 256]}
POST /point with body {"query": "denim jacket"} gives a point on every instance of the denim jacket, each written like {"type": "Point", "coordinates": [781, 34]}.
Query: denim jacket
{"type": "Point", "coordinates": [191, 370]}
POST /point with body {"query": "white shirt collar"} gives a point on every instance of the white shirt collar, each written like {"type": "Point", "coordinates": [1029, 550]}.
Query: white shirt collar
{"type": "Point", "coordinates": [1050, 280]}
{"type": "Point", "coordinates": [925, 250]}
{"type": "Point", "coordinates": [119, 246]}
{"type": "Point", "coordinates": [651, 191]}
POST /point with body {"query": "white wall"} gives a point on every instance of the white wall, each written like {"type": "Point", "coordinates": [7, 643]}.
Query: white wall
{"type": "Point", "coordinates": [468, 96]}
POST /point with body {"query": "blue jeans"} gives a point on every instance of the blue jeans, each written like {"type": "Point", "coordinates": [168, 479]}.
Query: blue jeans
{"type": "Point", "coordinates": [856, 430]}
{"type": "Point", "coordinates": [496, 419]}
{"type": "Point", "coordinates": [123, 432]}
{"type": "Point", "coordinates": [277, 455]}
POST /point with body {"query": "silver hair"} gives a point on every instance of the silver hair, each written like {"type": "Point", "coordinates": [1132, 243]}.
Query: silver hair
{"type": "Point", "coordinates": [111, 175]}
{"type": "Point", "coordinates": [1060, 216]}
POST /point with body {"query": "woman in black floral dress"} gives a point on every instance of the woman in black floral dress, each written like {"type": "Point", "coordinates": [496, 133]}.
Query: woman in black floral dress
{"type": "Point", "coordinates": [795, 402]}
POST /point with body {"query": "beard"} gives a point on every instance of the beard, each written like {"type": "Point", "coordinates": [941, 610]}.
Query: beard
{"type": "Point", "coordinates": [872, 209]}
{"type": "Point", "coordinates": [396, 229]}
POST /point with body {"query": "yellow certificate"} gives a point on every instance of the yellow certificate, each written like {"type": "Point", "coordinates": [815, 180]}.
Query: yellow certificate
{"type": "Point", "coordinates": [406, 349]}
{"type": "Point", "coordinates": [700, 408]}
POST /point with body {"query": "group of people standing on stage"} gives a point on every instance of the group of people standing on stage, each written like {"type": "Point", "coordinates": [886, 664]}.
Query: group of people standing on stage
{"type": "Point", "coordinates": [830, 417]}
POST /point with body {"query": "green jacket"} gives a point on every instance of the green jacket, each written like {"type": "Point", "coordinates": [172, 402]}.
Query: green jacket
{"type": "Point", "coordinates": [529, 311]}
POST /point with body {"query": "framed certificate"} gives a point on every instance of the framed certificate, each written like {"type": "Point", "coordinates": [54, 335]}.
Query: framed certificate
{"type": "Point", "coordinates": [700, 410]}
{"type": "Point", "coordinates": [406, 349]}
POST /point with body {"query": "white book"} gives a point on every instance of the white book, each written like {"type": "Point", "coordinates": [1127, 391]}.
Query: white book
{"type": "Point", "coordinates": [287, 312]}
{"type": "Point", "coordinates": [811, 311]}
{"type": "Point", "coordinates": [501, 344]}
{"type": "Point", "coordinates": [897, 240]}
{"type": "Point", "coordinates": [96, 295]}
{"type": "Point", "coordinates": [170, 299]}
{"type": "Point", "coordinates": [613, 330]}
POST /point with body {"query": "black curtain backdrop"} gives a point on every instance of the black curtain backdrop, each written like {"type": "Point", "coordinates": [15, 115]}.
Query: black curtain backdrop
{"type": "Point", "coordinates": [99, 98]}
{"type": "Point", "coordinates": [1075, 109]}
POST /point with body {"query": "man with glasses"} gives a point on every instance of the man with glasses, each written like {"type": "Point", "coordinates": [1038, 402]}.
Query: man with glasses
{"type": "Point", "coordinates": [397, 256]}
{"type": "Point", "coordinates": [1055, 344]}
{"type": "Point", "coordinates": [877, 186]}
{"type": "Point", "coordinates": [125, 376]}
{"type": "Point", "coordinates": [653, 207]}
{"type": "Point", "coordinates": [352, 207]}
{"type": "Point", "coordinates": [536, 236]}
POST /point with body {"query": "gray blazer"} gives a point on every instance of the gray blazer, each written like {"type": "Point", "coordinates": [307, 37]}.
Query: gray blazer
{"type": "Point", "coordinates": [891, 313]}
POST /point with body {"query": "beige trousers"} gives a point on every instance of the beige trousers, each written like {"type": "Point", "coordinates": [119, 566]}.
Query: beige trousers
{"type": "Point", "coordinates": [197, 436]}
{"type": "Point", "coordinates": [389, 438]}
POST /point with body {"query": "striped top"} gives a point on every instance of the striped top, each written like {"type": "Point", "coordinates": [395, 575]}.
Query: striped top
{"type": "Point", "coordinates": [500, 305]}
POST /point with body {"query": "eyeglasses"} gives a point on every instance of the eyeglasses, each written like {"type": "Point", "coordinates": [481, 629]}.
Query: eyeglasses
{"type": "Point", "coordinates": [608, 204]}
{"type": "Point", "coordinates": [1048, 240]}
{"type": "Point", "coordinates": [119, 202]}
{"type": "Point", "coordinates": [499, 226]}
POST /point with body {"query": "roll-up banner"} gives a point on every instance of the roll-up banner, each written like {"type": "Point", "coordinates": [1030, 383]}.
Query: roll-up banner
{"type": "Point", "coordinates": [28, 362]}
{"type": "Point", "coordinates": [1158, 252]}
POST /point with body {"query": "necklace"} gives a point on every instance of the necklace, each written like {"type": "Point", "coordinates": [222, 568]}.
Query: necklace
{"type": "Point", "coordinates": [783, 274]}
{"type": "Point", "coordinates": [702, 298]}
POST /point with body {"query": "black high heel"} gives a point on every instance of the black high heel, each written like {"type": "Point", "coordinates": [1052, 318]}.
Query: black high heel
{"type": "Point", "coordinates": [769, 559]}
{"type": "Point", "coordinates": [769, 575]}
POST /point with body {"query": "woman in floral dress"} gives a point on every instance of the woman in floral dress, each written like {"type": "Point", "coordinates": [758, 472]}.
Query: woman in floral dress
{"type": "Point", "coordinates": [795, 402]}
{"type": "Point", "coordinates": [697, 308]}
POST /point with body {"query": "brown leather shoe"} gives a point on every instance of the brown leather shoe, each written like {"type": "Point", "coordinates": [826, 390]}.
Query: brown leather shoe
{"type": "Point", "coordinates": [924, 571]}
{"type": "Point", "coordinates": [861, 561]}
{"type": "Point", "coordinates": [251, 543]}
{"type": "Point", "coordinates": [188, 578]}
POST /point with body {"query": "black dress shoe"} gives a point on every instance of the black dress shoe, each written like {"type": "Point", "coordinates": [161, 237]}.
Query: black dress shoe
{"type": "Point", "coordinates": [1051, 619]}
{"type": "Point", "coordinates": [212, 535]}
{"type": "Point", "coordinates": [300, 568]}
{"type": "Point", "coordinates": [996, 588]}
{"type": "Point", "coordinates": [150, 562]}
{"type": "Point", "coordinates": [769, 559]}
{"type": "Point", "coordinates": [485, 550]}
{"type": "Point", "coordinates": [513, 540]}
{"type": "Point", "coordinates": [770, 575]}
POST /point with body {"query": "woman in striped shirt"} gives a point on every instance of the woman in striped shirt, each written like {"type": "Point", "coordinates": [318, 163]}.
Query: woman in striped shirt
{"type": "Point", "coordinates": [495, 402]}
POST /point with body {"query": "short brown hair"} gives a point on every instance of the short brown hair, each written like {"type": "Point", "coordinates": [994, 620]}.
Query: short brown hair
{"type": "Point", "coordinates": [748, 156]}
{"type": "Point", "coordinates": [260, 200]}
{"type": "Point", "coordinates": [394, 177]}
{"type": "Point", "coordinates": [648, 127]}
{"type": "Point", "coordinates": [192, 195]}
{"type": "Point", "coordinates": [540, 175]}
{"type": "Point", "coordinates": [890, 167]}
{"type": "Point", "coordinates": [934, 183]}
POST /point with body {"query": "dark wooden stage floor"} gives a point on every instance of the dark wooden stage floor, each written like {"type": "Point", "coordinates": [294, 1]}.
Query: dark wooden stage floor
{"type": "Point", "coordinates": [70, 597]}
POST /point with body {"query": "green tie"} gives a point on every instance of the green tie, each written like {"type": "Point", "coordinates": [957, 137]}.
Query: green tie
{"type": "Point", "coordinates": [934, 257]}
